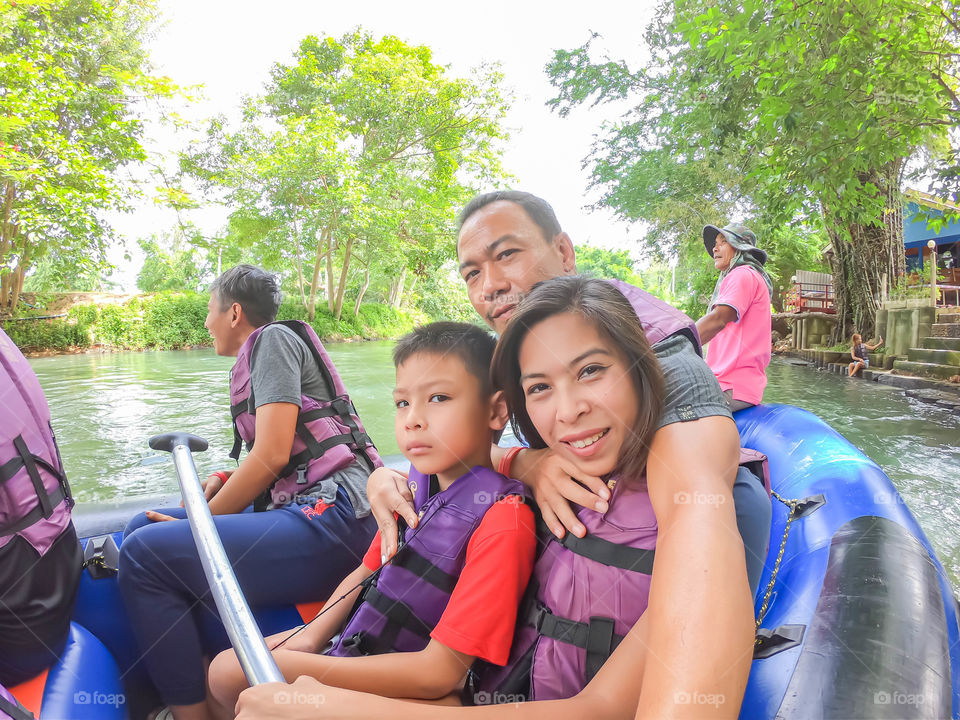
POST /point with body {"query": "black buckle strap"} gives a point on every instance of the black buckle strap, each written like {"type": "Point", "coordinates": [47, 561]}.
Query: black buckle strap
{"type": "Point", "coordinates": [34, 475]}
{"type": "Point", "coordinates": [609, 553]}
{"type": "Point", "coordinates": [600, 644]}
{"type": "Point", "coordinates": [415, 563]}
{"type": "Point", "coordinates": [572, 632]}
{"type": "Point", "coordinates": [397, 613]}
{"type": "Point", "coordinates": [603, 551]}
{"type": "Point", "coordinates": [35, 515]}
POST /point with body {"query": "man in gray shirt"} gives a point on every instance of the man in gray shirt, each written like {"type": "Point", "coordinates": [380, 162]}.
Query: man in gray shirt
{"type": "Point", "coordinates": [302, 548]}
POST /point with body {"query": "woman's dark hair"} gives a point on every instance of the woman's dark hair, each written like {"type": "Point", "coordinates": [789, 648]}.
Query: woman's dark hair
{"type": "Point", "coordinates": [604, 307]}
{"type": "Point", "coordinates": [257, 291]}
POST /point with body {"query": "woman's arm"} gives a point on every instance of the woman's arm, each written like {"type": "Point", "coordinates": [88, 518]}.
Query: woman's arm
{"type": "Point", "coordinates": [701, 646]}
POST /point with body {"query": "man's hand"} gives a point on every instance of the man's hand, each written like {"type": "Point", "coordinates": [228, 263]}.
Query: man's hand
{"type": "Point", "coordinates": [388, 493]}
{"type": "Point", "coordinates": [556, 483]}
{"type": "Point", "coordinates": [212, 484]}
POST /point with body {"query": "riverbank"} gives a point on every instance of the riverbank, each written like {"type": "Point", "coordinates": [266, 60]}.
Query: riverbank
{"type": "Point", "coordinates": [172, 321]}
{"type": "Point", "coordinates": [936, 392]}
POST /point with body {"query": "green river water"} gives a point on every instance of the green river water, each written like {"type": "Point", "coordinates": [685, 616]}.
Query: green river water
{"type": "Point", "coordinates": [106, 406]}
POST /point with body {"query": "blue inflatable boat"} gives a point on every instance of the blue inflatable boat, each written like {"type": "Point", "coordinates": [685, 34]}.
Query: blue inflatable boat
{"type": "Point", "coordinates": [856, 617]}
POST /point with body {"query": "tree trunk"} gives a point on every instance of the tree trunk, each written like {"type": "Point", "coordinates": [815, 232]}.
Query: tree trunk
{"type": "Point", "coordinates": [6, 243]}
{"type": "Point", "coordinates": [363, 290]}
{"type": "Point", "coordinates": [396, 289]}
{"type": "Point", "coordinates": [299, 263]}
{"type": "Point", "coordinates": [330, 275]}
{"type": "Point", "coordinates": [342, 285]}
{"type": "Point", "coordinates": [317, 265]}
{"type": "Point", "coordinates": [863, 254]}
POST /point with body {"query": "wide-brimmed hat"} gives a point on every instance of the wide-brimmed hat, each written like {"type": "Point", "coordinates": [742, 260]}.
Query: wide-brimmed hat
{"type": "Point", "coordinates": [740, 238]}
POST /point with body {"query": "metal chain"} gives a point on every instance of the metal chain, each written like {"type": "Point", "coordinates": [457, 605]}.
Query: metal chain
{"type": "Point", "coordinates": [792, 504]}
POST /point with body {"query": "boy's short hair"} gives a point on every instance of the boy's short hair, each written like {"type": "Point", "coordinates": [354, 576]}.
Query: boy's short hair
{"type": "Point", "coordinates": [473, 345]}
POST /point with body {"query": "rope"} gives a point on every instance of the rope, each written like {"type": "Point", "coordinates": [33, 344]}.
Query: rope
{"type": "Point", "coordinates": [792, 504]}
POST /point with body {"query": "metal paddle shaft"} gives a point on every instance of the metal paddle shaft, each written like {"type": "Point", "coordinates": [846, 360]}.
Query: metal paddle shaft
{"type": "Point", "coordinates": [255, 659]}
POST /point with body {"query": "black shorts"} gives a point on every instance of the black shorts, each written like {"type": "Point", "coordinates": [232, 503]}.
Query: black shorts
{"type": "Point", "coordinates": [692, 390]}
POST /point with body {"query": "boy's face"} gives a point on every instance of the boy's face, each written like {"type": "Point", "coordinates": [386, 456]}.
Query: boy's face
{"type": "Point", "coordinates": [444, 422]}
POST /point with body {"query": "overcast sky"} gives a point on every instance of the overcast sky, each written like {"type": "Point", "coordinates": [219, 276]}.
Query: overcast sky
{"type": "Point", "coordinates": [228, 48]}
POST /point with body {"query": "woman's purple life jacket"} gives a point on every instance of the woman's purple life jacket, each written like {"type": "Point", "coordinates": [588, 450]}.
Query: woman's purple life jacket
{"type": "Point", "coordinates": [585, 595]}
{"type": "Point", "coordinates": [35, 500]}
{"type": "Point", "coordinates": [329, 435]}
{"type": "Point", "coordinates": [398, 613]}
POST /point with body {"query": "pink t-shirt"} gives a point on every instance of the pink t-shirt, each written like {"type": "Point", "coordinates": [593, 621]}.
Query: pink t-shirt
{"type": "Point", "coordinates": [740, 353]}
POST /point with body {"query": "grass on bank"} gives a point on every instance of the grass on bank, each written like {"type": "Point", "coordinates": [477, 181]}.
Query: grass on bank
{"type": "Point", "coordinates": [166, 321]}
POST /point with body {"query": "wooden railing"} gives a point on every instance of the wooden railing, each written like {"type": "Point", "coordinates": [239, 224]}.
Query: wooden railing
{"type": "Point", "coordinates": [809, 297]}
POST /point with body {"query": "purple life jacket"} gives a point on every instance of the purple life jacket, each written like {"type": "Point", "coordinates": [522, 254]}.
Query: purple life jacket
{"type": "Point", "coordinates": [659, 320]}
{"type": "Point", "coordinates": [35, 499]}
{"type": "Point", "coordinates": [329, 434]}
{"type": "Point", "coordinates": [398, 613]}
{"type": "Point", "coordinates": [585, 595]}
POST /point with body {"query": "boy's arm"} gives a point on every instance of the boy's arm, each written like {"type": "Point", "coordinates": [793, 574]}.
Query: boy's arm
{"type": "Point", "coordinates": [431, 673]}
{"type": "Point", "coordinates": [318, 632]}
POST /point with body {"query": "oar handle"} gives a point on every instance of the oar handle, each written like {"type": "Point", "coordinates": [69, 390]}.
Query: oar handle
{"type": "Point", "coordinates": [168, 441]}
{"type": "Point", "coordinates": [255, 659]}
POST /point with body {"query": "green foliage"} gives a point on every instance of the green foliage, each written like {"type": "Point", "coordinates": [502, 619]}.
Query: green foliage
{"type": "Point", "coordinates": [789, 114]}
{"type": "Point", "coordinates": [608, 264]}
{"type": "Point", "coordinates": [171, 265]}
{"type": "Point", "coordinates": [442, 295]}
{"type": "Point", "coordinates": [361, 151]}
{"type": "Point", "coordinates": [72, 73]}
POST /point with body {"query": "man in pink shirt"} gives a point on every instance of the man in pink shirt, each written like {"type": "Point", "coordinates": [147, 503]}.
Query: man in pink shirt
{"type": "Point", "coordinates": [737, 323]}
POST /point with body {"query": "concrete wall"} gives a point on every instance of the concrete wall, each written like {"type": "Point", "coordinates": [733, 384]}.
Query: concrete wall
{"type": "Point", "coordinates": [809, 332]}
{"type": "Point", "coordinates": [903, 323]}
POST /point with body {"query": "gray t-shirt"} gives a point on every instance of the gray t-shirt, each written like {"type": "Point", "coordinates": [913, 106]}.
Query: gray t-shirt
{"type": "Point", "coordinates": [282, 369]}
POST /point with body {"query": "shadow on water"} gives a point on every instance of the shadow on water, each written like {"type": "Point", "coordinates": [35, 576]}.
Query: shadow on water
{"type": "Point", "coordinates": [105, 407]}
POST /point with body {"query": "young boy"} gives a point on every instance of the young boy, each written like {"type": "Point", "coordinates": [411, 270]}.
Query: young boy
{"type": "Point", "coordinates": [451, 594]}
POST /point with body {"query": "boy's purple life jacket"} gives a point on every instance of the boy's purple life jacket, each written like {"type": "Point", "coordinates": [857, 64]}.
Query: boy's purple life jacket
{"type": "Point", "coordinates": [35, 498]}
{"type": "Point", "coordinates": [398, 613]}
{"type": "Point", "coordinates": [659, 320]}
{"type": "Point", "coordinates": [585, 595]}
{"type": "Point", "coordinates": [329, 434]}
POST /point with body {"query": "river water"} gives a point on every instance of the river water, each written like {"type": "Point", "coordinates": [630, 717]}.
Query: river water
{"type": "Point", "coordinates": [106, 406]}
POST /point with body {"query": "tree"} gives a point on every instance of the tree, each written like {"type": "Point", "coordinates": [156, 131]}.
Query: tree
{"type": "Point", "coordinates": [71, 75]}
{"type": "Point", "coordinates": [349, 168]}
{"type": "Point", "coordinates": [610, 264]}
{"type": "Point", "coordinates": [173, 262]}
{"type": "Point", "coordinates": [789, 113]}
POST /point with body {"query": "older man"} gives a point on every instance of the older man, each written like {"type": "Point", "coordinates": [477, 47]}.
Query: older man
{"type": "Point", "coordinates": [738, 321]}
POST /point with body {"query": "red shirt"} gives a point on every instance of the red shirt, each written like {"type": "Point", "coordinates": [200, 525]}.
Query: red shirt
{"type": "Point", "coordinates": [480, 618]}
